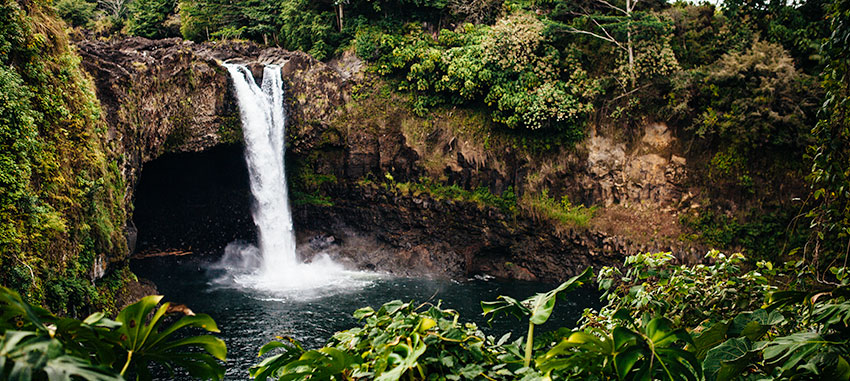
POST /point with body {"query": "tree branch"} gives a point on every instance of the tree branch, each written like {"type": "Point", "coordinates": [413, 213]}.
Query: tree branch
{"type": "Point", "coordinates": [612, 6]}
{"type": "Point", "coordinates": [601, 37]}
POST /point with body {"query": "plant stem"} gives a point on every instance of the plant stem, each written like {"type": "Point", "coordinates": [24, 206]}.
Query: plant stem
{"type": "Point", "coordinates": [127, 364]}
{"type": "Point", "coordinates": [529, 343]}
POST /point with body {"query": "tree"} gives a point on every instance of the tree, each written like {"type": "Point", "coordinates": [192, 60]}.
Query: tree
{"type": "Point", "coordinates": [114, 8]}
{"type": "Point", "coordinates": [148, 17]}
{"type": "Point", "coordinates": [633, 33]}
{"type": "Point", "coordinates": [75, 12]}
{"type": "Point", "coordinates": [830, 177]}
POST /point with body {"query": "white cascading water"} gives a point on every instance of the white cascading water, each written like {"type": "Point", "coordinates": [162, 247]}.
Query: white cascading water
{"type": "Point", "coordinates": [273, 264]}
{"type": "Point", "coordinates": [263, 128]}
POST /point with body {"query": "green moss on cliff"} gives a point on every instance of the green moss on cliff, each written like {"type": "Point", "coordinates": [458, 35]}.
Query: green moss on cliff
{"type": "Point", "coordinates": [61, 193]}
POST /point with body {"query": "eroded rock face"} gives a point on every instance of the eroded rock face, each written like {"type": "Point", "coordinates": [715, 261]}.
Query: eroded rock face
{"type": "Point", "coordinates": [377, 229]}
{"type": "Point", "coordinates": [172, 95]}
{"type": "Point", "coordinates": [648, 172]}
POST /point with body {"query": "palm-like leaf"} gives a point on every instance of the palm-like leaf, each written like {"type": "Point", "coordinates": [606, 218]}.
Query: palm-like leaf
{"type": "Point", "coordinates": [145, 343]}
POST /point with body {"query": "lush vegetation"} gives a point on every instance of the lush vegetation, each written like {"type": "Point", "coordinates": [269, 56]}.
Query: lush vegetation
{"type": "Point", "coordinates": [37, 345]}
{"type": "Point", "coordinates": [661, 321]}
{"type": "Point", "coordinates": [740, 80]}
{"type": "Point", "coordinates": [561, 211]}
{"type": "Point", "coordinates": [61, 192]}
{"type": "Point", "coordinates": [760, 89]}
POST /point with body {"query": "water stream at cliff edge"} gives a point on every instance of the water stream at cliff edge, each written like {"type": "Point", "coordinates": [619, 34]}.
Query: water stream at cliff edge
{"type": "Point", "coordinates": [273, 265]}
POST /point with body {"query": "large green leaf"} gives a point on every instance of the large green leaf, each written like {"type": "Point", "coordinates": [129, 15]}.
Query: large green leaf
{"type": "Point", "coordinates": [25, 355]}
{"type": "Point", "coordinates": [16, 314]}
{"type": "Point", "coordinates": [539, 307]}
{"type": "Point", "coordinates": [788, 353]}
{"type": "Point", "coordinates": [144, 343]}
{"type": "Point", "coordinates": [753, 325]}
{"type": "Point", "coordinates": [728, 360]}
{"type": "Point", "coordinates": [710, 338]}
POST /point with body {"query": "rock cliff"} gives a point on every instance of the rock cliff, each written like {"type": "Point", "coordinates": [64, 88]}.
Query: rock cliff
{"type": "Point", "coordinates": [348, 131]}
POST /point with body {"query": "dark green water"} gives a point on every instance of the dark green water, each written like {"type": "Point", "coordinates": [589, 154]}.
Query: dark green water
{"type": "Point", "coordinates": [250, 318]}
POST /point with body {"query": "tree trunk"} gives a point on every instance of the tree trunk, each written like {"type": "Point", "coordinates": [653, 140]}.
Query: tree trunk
{"type": "Point", "coordinates": [340, 19]}
{"type": "Point", "coordinates": [629, 44]}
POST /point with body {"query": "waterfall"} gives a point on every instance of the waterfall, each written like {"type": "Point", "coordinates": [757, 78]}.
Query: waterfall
{"type": "Point", "coordinates": [264, 131]}
{"type": "Point", "coordinates": [273, 264]}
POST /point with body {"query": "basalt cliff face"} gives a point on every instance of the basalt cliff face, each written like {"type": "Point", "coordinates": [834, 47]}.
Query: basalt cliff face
{"type": "Point", "coordinates": [351, 141]}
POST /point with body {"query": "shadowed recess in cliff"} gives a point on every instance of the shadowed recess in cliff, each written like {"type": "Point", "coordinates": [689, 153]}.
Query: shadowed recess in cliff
{"type": "Point", "coordinates": [273, 263]}
{"type": "Point", "coordinates": [193, 203]}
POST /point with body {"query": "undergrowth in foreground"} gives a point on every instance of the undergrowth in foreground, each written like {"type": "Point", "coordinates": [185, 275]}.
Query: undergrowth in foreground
{"type": "Point", "coordinates": [37, 345]}
{"type": "Point", "coordinates": [661, 321]}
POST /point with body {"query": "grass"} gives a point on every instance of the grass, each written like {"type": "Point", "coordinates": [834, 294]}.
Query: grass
{"type": "Point", "coordinates": [563, 211]}
{"type": "Point", "coordinates": [506, 202]}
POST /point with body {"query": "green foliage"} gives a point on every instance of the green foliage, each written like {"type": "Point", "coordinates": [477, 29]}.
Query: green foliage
{"type": "Point", "coordinates": [399, 341]}
{"type": "Point", "coordinates": [701, 34]}
{"type": "Point", "coordinates": [799, 28]}
{"type": "Point", "coordinates": [537, 308]}
{"type": "Point", "coordinates": [506, 202]}
{"type": "Point", "coordinates": [292, 24]}
{"type": "Point", "coordinates": [145, 340]}
{"type": "Point", "coordinates": [653, 351]}
{"type": "Point", "coordinates": [661, 322]}
{"type": "Point", "coordinates": [562, 211]}
{"type": "Point", "coordinates": [27, 355]}
{"type": "Point", "coordinates": [760, 234]}
{"type": "Point", "coordinates": [830, 175]}
{"type": "Point", "coordinates": [790, 334]}
{"type": "Point", "coordinates": [147, 18]}
{"type": "Point", "coordinates": [309, 187]}
{"type": "Point", "coordinates": [752, 100]}
{"type": "Point", "coordinates": [75, 12]}
{"type": "Point", "coordinates": [61, 198]}
{"type": "Point", "coordinates": [652, 285]}
{"type": "Point", "coordinates": [34, 343]}
{"type": "Point", "coordinates": [525, 82]}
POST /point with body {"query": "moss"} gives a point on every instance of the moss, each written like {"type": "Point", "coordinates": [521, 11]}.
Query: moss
{"type": "Point", "coordinates": [61, 204]}
{"type": "Point", "coordinates": [506, 202]}
{"type": "Point", "coordinates": [230, 129]}
{"type": "Point", "coordinates": [307, 186]}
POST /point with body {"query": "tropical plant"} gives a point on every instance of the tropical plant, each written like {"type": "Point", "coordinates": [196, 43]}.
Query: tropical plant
{"type": "Point", "coordinates": [652, 284]}
{"type": "Point", "coordinates": [35, 342]}
{"type": "Point", "coordinates": [830, 175]}
{"type": "Point", "coordinates": [536, 308]}
{"type": "Point", "coordinates": [398, 341]}
{"type": "Point", "coordinates": [652, 351]}
{"type": "Point", "coordinates": [151, 341]}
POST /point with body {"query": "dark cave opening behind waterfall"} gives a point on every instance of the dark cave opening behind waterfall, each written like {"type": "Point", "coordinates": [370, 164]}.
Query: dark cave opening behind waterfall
{"type": "Point", "coordinates": [195, 202]}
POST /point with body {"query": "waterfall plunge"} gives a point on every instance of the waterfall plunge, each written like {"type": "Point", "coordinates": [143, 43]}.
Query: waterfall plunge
{"type": "Point", "coordinates": [273, 264]}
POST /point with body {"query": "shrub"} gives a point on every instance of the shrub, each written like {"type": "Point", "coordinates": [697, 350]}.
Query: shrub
{"type": "Point", "coordinates": [526, 83]}
{"type": "Point", "coordinates": [75, 12]}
